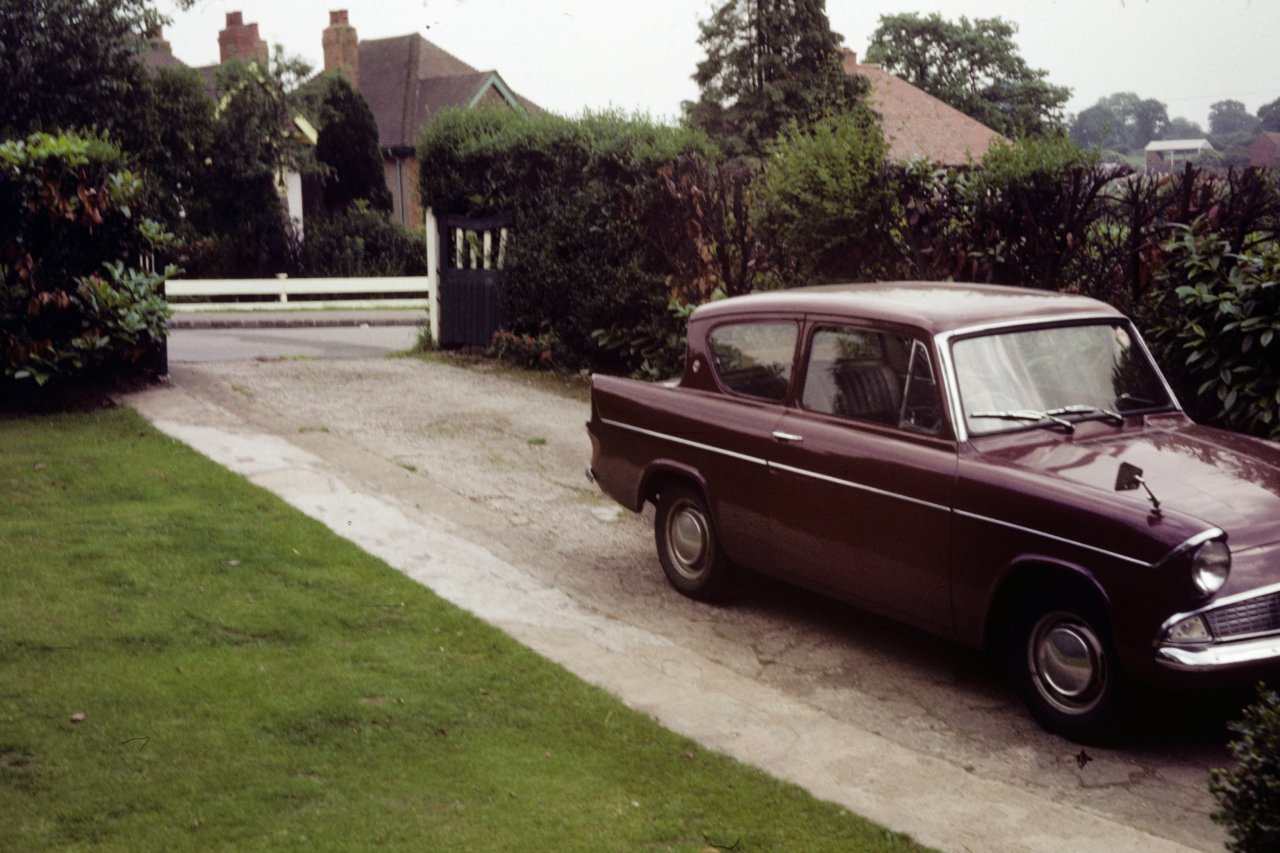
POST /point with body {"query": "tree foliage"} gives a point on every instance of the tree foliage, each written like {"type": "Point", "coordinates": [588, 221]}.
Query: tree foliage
{"type": "Point", "coordinates": [972, 65]}
{"type": "Point", "coordinates": [1231, 117]}
{"type": "Point", "coordinates": [824, 196]}
{"type": "Point", "coordinates": [348, 146]}
{"type": "Point", "coordinates": [1269, 116]}
{"type": "Point", "coordinates": [70, 63]}
{"type": "Point", "coordinates": [768, 63]}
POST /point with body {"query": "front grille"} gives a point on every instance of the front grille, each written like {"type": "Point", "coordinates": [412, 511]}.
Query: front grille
{"type": "Point", "coordinates": [1253, 616]}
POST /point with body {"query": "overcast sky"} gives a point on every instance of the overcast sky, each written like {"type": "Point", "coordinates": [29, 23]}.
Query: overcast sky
{"type": "Point", "coordinates": [571, 55]}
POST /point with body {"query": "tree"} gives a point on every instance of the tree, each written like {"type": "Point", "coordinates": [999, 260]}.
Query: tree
{"type": "Point", "coordinates": [1121, 122]}
{"type": "Point", "coordinates": [1227, 118]}
{"type": "Point", "coordinates": [825, 196]}
{"type": "Point", "coordinates": [171, 142]}
{"type": "Point", "coordinates": [70, 63]}
{"type": "Point", "coordinates": [1182, 128]}
{"type": "Point", "coordinates": [348, 145]}
{"type": "Point", "coordinates": [255, 140]}
{"type": "Point", "coordinates": [973, 66]}
{"type": "Point", "coordinates": [1269, 116]}
{"type": "Point", "coordinates": [769, 62]}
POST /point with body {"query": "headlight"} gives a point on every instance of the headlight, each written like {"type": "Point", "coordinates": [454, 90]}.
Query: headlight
{"type": "Point", "coordinates": [1210, 566]}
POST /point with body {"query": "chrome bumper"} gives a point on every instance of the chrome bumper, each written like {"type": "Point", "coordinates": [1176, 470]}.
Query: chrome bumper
{"type": "Point", "coordinates": [1220, 656]}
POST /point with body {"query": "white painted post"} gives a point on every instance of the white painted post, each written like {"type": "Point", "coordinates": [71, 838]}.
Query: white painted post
{"type": "Point", "coordinates": [488, 250]}
{"type": "Point", "coordinates": [432, 231]}
{"type": "Point", "coordinates": [502, 248]}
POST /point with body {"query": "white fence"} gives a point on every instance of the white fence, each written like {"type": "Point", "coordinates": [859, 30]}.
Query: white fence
{"type": "Point", "coordinates": [192, 295]}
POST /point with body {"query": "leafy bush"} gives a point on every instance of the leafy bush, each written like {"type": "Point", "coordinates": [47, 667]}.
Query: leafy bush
{"type": "Point", "coordinates": [1228, 327]}
{"type": "Point", "coordinates": [824, 199]}
{"type": "Point", "coordinates": [1249, 795]}
{"type": "Point", "coordinates": [358, 241]}
{"type": "Point", "coordinates": [72, 298]}
{"type": "Point", "coordinates": [586, 195]}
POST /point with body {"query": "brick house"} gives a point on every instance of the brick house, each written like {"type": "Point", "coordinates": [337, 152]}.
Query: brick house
{"type": "Point", "coordinates": [1265, 151]}
{"type": "Point", "coordinates": [916, 125]}
{"type": "Point", "coordinates": [405, 79]}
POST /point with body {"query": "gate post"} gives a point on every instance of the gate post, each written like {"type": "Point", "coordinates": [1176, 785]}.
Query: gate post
{"type": "Point", "coordinates": [432, 232]}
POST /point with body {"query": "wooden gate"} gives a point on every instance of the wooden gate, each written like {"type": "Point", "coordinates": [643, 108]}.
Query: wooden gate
{"type": "Point", "coordinates": [471, 260]}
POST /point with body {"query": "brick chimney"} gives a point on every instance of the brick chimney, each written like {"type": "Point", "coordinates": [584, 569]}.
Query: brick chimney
{"type": "Point", "coordinates": [342, 47]}
{"type": "Point", "coordinates": [849, 60]}
{"type": "Point", "coordinates": [241, 41]}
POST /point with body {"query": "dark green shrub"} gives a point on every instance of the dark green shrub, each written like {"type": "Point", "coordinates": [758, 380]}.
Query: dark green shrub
{"type": "Point", "coordinates": [584, 192]}
{"type": "Point", "coordinates": [1224, 336]}
{"type": "Point", "coordinates": [348, 146]}
{"type": "Point", "coordinates": [825, 198]}
{"type": "Point", "coordinates": [359, 242]}
{"type": "Point", "coordinates": [1249, 795]}
{"type": "Point", "coordinates": [72, 298]}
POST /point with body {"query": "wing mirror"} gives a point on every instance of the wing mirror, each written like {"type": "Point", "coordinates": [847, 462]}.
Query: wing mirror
{"type": "Point", "coordinates": [1129, 477]}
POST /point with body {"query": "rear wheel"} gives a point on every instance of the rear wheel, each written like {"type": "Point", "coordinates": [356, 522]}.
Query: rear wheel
{"type": "Point", "coordinates": [1064, 664]}
{"type": "Point", "coordinates": [688, 546]}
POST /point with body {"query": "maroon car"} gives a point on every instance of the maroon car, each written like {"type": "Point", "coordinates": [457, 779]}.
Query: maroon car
{"type": "Point", "coordinates": [991, 464]}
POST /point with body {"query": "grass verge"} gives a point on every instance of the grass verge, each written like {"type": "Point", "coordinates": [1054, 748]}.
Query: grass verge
{"type": "Point", "coordinates": [186, 662]}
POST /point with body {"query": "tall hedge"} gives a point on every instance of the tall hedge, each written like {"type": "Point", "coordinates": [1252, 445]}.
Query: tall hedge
{"type": "Point", "coordinates": [583, 260]}
{"type": "Point", "coordinates": [74, 298]}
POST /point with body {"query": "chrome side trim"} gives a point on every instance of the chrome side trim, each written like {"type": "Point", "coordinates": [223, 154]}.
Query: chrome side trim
{"type": "Point", "coordinates": [875, 491]}
{"type": "Point", "coordinates": [859, 486]}
{"type": "Point", "coordinates": [1061, 539]}
{"type": "Point", "coordinates": [754, 460]}
{"type": "Point", "coordinates": [1219, 656]}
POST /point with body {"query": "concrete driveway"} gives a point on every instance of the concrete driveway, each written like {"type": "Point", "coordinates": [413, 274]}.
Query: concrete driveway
{"type": "Point", "coordinates": [472, 483]}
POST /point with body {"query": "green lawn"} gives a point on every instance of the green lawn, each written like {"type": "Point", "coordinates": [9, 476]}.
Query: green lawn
{"type": "Point", "coordinates": [247, 679]}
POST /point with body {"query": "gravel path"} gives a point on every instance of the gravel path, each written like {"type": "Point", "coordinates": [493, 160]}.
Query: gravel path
{"type": "Point", "coordinates": [500, 462]}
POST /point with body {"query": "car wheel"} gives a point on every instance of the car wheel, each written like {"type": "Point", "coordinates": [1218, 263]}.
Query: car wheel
{"type": "Point", "coordinates": [1064, 664]}
{"type": "Point", "coordinates": [688, 546]}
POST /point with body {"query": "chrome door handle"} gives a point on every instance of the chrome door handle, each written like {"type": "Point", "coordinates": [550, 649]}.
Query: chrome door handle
{"type": "Point", "coordinates": [787, 437]}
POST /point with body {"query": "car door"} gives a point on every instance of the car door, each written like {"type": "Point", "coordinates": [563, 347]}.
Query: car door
{"type": "Point", "coordinates": [752, 360]}
{"type": "Point", "coordinates": [863, 473]}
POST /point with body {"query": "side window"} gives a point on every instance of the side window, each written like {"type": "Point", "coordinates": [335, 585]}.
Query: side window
{"type": "Point", "coordinates": [872, 376]}
{"type": "Point", "coordinates": [754, 358]}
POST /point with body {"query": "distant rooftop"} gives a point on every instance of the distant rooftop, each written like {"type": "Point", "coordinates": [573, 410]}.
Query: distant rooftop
{"type": "Point", "coordinates": [1179, 145]}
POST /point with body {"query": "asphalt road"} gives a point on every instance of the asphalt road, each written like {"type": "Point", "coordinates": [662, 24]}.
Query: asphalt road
{"type": "Point", "coordinates": [922, 735]}
{"type": "Point", "coordinates": [188, 345]}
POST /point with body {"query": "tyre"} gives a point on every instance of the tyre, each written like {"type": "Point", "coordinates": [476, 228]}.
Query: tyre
{"type": "Point", "coordinates": [1064, 664]}
{"type": "Point", "coordinates": [688, 546]}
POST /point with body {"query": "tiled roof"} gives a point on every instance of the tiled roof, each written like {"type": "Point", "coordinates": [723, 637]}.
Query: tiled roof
{"type": "Point", "coordinates": [407, 79]}
{"type": "Point", "coordinates": [917, 125]}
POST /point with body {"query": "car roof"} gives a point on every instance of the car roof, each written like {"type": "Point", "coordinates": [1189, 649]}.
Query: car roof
{"type": "Point", "coordinates": [930, 305]}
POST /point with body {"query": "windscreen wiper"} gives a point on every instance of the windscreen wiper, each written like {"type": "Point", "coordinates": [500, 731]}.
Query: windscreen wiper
{"type": "Point", "coordinates": [1085, 409]}
{"type": "Point", "coordinates": [1029, 415]}
{"type": "Point", "coordinates": [1053, 415]}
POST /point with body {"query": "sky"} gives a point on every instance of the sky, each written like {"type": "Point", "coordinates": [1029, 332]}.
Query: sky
{"type": "Point", "coordinates": [574, 55]}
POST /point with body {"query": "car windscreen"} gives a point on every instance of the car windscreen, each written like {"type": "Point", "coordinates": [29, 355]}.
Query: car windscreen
{"type": "Point", "coordinates": [1007, 379]}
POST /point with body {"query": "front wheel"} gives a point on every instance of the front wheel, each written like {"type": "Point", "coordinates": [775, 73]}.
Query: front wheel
{"type": "Point", "coordinates": [1064, 664]}
{"type": "Point", "coordinates": [688, 546]}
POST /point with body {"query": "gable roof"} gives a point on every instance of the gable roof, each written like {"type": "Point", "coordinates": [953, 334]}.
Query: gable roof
{"type": "Point", "coordinates": [407, 79]}
{"type": "Point", "coordinates": [916, 125]}
{"type": "Point", "coordinates": [1179, 145]}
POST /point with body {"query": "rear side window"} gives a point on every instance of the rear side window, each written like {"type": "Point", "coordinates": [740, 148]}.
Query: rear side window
{"type": "Point", "coordinates": [754, 358]}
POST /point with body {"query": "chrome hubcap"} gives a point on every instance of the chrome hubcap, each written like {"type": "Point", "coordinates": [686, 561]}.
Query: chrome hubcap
{"type": "Point", "coordinates": [1068, 663]}
{"type": "Point", "coordinates": [687, 539]}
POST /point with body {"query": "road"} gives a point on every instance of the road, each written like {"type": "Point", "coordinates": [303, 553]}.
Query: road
{"type": "Point", "coordinates": [498, 462]}
{"type": "Point", "coordinates": [187, 345]}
